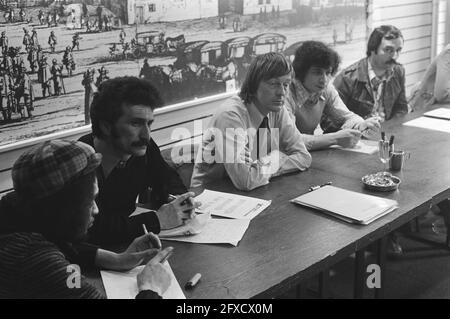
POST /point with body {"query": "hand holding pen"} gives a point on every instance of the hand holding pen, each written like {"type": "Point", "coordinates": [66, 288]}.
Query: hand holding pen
{"type": "Point", "coordinates": [370, 124]}
{"type": "Point", "coordinates": [187, 204]}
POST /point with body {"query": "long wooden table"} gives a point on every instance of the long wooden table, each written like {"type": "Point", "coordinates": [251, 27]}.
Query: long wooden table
{"type": "Point", "coordinates": [288, 244]}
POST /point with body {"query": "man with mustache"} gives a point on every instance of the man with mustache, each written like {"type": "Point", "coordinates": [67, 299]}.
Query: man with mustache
{"type": "Point", "coordinates": [251, 138]}
{"type": "Point", "coordinates": [375, 85]}
{"type": "Point", "coordinates": [313, 98]}
{"type": "Point", "coordinates": [122, 115]}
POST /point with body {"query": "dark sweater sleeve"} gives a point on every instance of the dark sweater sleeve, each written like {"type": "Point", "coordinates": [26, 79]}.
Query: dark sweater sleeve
{"type": "Point", "coordinates": [166, 173]}
{"type": "Point", "coordinates": [148, 294]}
{"type": "Point", "coordinates": [45, 273]}
{"type": "Point", "coordinates": [81, 253]}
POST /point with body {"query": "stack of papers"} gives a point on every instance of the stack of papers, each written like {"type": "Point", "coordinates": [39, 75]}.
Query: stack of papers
{"type": "Point", "coordinates": [204, 230]}
{"type": "Point", "coordinates": [363, 146]}
{"type": "Point", "coordinates": [440, 113]}
{"type": "Point", "coordinates": [346, 205]}
{"type": "Point", "coordinates": [123, 285]}
{"type": "Point", "coordinates": [230, 205]}
{"type": "Point", "coordinates": [193, 226]}
{"type": "Point", "coordinates": [216, 231]}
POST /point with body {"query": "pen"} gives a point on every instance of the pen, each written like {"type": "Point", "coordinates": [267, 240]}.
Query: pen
{"type": "Point", "coordinates": [145, 229]}
{"type": "Point", "coordinates": [164, 259]}
{"type": "Point", "coordinates": [383, 136]}
{"type": "Point", "coordinates": [391, 140]}
{"type": "Point", "coordinates": [313, 188]}
{"type": "Point", "coordinates": [171, 198]}
{"type": "Point", "coordinates": [193, 281]}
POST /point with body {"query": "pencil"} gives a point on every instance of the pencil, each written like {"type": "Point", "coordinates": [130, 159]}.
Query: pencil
{"type": "Point", "coordinates": [145, 229]}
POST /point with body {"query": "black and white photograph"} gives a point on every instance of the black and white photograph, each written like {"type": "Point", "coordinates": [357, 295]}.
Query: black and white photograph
{"type": "Point", "coordinates": [224, 149]}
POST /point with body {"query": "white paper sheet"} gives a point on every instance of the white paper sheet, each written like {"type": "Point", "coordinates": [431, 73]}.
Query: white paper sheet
{"type": "Point", "coordinates": [218, 231]}
{"type": "Point", "coordinates": [230, 205]}
{"type": "Point", "coordinates": [441, 113]}
{"type": "Point", "coordinates": [192, 227]}
{"type": "Point", "coordinates": [430, 124]}
{"type": "Point", "coordinates": [363, 146]}
{"type": "Point", "coordinates": [123, 285]}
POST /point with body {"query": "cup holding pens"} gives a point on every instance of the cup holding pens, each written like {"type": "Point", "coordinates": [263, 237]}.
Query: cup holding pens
{"type": "Point", "coordinates": [385, 150]}
{"type": "Point", "coordinates": [398, 160]}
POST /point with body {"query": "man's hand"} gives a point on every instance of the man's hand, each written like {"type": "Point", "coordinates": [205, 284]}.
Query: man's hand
{"type": "Point", "coordinates": [173, 214]}
{"type": "Point", "coordinates": [141, 250]}
{"type": "Point", "coordinates": [155, 276]}
{"type": "Point", "coordinates": [370, 126]}
{"type": "Point", "coordinates": [347, 138]}
{"type": "Point", "coordinates": [245, 157]}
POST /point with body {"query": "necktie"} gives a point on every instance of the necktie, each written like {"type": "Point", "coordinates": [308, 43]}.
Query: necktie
{"type": "Point", "coordinates": [377, 86]}
{"type": "Point", "coordinates": [263, 137]}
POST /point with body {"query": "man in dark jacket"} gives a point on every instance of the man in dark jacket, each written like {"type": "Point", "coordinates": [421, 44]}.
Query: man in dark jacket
{"type": "Point", "coordinates": [44, 220]}
{"type": "Point", "coordinates": [121, 116]}
{"type": "Point", "coordinates": [375, 85]}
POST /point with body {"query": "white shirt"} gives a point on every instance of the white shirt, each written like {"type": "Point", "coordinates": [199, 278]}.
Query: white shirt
{"type": "Point", "coordinates": [220, 152]}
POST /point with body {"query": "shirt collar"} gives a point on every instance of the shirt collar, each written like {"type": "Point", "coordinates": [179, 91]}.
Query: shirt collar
{"type": "Point", "coordinates": [303, 95]}
{"type": "Point", "coordinates": [371, 73]}
{"type": "Point", "coordinates": [256, 117]}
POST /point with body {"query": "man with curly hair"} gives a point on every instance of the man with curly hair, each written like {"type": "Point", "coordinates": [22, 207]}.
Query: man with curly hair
{"type": "Point", "coordinates": [313, 100]}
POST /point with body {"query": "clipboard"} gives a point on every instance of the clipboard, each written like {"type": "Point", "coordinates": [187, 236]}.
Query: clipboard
{"type": "Point", "coordinates": [349, 206]}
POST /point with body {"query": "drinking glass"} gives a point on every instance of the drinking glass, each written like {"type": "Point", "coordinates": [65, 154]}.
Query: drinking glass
{"type": "Point", "coordinates": [384, 153]}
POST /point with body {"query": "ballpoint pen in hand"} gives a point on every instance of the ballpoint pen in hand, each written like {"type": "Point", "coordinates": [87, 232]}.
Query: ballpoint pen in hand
{"type": "Point", "coordinates": [171, 198]}
{"type": "Point", "coordinates": [391, 140]}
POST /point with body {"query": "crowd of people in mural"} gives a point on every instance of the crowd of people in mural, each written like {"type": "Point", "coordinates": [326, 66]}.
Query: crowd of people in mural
{"type": "Point", "coordinates": [17, 90]}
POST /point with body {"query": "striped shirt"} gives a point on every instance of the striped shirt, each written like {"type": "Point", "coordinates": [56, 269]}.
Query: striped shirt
{"type": "Point", "coordinates": [33, 267]}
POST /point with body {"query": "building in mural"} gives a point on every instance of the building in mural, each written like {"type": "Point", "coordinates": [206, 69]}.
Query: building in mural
{"type": "Point", "coordinates": [265, 6]}
{"type": "Point", "coordinates": [148, 11]}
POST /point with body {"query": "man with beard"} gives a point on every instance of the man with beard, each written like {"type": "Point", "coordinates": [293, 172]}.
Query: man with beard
{"type": "Point", "coordinates": [375, 85]}
{"type": "Point", "coordinates": [121, 115]}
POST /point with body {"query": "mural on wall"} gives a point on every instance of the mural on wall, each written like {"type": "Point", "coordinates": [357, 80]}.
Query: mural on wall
{"type": "Point", "coordinates": [53, 51]}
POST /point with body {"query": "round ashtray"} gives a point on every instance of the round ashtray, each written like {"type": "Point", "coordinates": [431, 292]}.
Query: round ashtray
{"type": "Point", "coordinates": [381, 181]}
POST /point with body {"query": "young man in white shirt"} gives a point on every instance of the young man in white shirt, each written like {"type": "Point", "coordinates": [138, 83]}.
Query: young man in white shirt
{"type": "Point", "coordinates": [251, 138]}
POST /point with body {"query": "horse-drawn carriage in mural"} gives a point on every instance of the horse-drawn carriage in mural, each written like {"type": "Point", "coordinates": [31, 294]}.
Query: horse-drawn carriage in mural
{"type": "Point", "coordinates": [154, 43]}
{"type": "Point", "coordinates": [216, 64]}
{"type": "Point", "coordinates": [267, 42]}
{"type": "Point", "coordinates": [290, 51]}
{"type": "Point", "coordinates": [238, 51]}
{"type": "Point", "coordinates": [204, 68]}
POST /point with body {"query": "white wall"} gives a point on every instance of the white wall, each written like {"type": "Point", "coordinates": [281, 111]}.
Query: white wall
{"type": "Point", "coordinates": [442, 29]}
{"type": "Point", "coordinates": [173, 10]}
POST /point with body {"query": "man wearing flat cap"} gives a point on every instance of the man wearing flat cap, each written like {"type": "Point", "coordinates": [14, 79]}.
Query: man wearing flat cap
{"type": "Point", "coordinates": [48, 214]}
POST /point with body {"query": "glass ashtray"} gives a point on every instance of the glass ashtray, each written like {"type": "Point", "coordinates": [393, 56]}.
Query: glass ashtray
{"type": "Point", "coordinates": [381, 181]}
